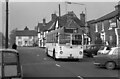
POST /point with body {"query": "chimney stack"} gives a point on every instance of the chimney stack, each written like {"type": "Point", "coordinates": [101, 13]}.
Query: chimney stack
{"type": "Point", "coordinates": [53, 16]}
{"type": "Point", "coordinates": [82, 18]}
{"type": "Point", "coordinates": [117, 7]}
{"type": "Point", "coordinates": [44, 21]}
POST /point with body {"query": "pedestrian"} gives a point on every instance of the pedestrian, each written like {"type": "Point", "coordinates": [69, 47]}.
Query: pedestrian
{"type": "Point", "coordinates": [14, 46]}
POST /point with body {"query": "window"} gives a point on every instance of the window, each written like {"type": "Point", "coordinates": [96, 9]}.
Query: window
{"type": "Point", "coordinates": [19, 43]}
{"type": "Point", "coordinates": [9, 57]}
{"type": "Point", "coordinates": [102, 26]}
{"type": "Point", "coordinates": [30, 37]}
{"type": "Point", "coordinates": [19, 37]}
{"type": "Point", "coordinates": [64, 38]}
{"type": "Point", "coordinates": [96, 28]}
{"type": "Point", "coordinates": [76, 39]}
{"type": "Point", "coordinates": [108, 48]}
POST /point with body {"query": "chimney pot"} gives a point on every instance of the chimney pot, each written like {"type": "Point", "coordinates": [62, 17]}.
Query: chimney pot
{"type": "Point", "coordinates": [82, 18]}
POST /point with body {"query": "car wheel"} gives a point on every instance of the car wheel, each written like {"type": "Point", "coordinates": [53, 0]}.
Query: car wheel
{"type": "Point", "coordinates": [110, 65]}
{"type": "Point", "coordinates": [54, 55]}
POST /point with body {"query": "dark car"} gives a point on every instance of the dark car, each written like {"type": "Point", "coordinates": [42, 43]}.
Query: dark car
{"type": "Point", "coordinates": [92, 50]}
{"type": "Point", "coordinates": [110, 60]}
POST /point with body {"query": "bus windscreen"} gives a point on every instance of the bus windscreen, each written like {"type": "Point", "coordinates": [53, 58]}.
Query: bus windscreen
{"type": "Point", "coordinates": [64, 38]}
{"type": "Point", "coordinates": [76, 39]}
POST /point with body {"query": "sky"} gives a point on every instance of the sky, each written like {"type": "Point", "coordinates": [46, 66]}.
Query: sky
{"type": "Point", "coordinates": [32, 12]}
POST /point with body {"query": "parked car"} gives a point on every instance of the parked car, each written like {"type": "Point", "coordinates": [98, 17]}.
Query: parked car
{"type": "Point", "coordinates": [10, 64]}
{"type": "Point", "coordinates": [104, 49]}
{"type": "Point", "coordinates": [92, 50]}
{"type": "Point", "coordinates": [109, 60]}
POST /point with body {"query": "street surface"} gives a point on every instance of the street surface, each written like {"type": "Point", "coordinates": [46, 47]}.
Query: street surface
{"type": "Point", "coordinates": [35, 63]}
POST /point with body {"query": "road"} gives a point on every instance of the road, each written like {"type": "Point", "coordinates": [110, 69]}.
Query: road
{"type": "Point", "coordinates": [35, 63]}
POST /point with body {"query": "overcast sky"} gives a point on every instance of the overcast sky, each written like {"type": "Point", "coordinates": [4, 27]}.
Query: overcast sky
{"type": "Point", "coordinates": [23, 14]}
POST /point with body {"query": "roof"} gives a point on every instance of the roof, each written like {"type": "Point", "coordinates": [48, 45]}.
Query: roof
{"type": "Point", "coordinates": [63, 19]}
{"type": "Point", "coordinates": [67, 20]}
{"type": "Point", "coordinates": [107, 16]}
{"type": "Point", "coordinates": [10, 50]}
{"type": "Point", "coordinates": [48, 26]}
{"type": "Point", "coordinates": [26, 33]}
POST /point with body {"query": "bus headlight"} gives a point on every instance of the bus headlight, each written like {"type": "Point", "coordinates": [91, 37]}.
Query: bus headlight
{"type": "Point", "coordinates": [60, 48]}
{"type": "Point", "coordinates": [61, 52]}
{"type": "Point", "coordinates": [80, 52]}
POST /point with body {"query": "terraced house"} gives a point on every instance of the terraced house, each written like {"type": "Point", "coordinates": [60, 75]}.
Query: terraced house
{"type": "Point", "coordinates": [26, 37]}
{"type": "Point", "coordinates": [108, 26]}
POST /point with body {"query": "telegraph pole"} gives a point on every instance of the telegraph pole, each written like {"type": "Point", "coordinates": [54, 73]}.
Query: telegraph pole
{"type": "Point", "coordinates": [59, 17]}
{"type": "Point", "coordinates": [6, 41]}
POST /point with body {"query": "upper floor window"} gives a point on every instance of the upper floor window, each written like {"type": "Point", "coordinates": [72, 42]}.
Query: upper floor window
{"type": "Point", "coordinates": [102, 26]}
{"type": "Point", "coordinates": [96, 27]}
{"type": "Point", "coordinates": [30, 37]}
{"type": "Point", "coordinates": [19, 37]}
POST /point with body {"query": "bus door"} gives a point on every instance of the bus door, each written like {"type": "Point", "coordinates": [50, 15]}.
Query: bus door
{"type": "Point", "coordinates": [11, 68]}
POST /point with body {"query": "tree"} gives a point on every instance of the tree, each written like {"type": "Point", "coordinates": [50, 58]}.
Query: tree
{"type": "Point", "coordinates": [13, 36]}
{"type": "Point", "coordinates": [2, 40]}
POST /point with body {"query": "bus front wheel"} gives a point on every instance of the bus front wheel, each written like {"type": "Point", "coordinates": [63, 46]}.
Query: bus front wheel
{"type": "Point", "coordinates": [54, 55]}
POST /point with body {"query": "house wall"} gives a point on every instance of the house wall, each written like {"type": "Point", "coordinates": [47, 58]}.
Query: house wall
{"type": "Point", "coordinates": [110, 35]}
{"type": "Point", "coordinates": [25, 40]}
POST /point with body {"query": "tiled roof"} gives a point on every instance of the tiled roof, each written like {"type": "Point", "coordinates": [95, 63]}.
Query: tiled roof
{"type": "Point", "coordinates": [62, 22]}
{"type": "Point", "coordinates": [64, 18]}
{"type": "Point", "coordinates": [106, 17]}
{"type": "Point", "coordinates": [47, 26]}
{"type": "Point", "coordinates": [26, 33]}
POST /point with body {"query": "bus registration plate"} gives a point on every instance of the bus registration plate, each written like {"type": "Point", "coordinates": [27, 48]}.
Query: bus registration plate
{"type": "Point", "coordinates": [70, 57]}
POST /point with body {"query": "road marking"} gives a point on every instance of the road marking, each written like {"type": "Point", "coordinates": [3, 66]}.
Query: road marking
{"type": "Point", "coordinates": [38, 55]}
{"type": "Point", "coordinates": [45, 58]}
{"type": "Point", "coordinates": [80, 77]}
{"type": "Point", "coordinates": [57, 65]}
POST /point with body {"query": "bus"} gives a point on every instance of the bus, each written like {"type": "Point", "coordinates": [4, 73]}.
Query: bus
{"type": "Point", "coordinates": [61, 45]}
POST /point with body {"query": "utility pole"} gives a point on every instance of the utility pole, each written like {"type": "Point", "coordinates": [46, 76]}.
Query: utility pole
{"type": "Point", "coordinates": [6, 41]}
{"type": "Point", "coordinates": [59, 17]}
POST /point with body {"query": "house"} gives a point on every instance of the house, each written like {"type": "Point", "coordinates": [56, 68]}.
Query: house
{"type": "Point", "coordinates": [26, 37]}
{"type": "Point", "coordinates": [72, 23]}
{"type": "Point", "coordinates": [43, 28]}
{"type": "Point", "coordinates": [68, 22]}
{"type": "Point", "coordinates": [108, 27]}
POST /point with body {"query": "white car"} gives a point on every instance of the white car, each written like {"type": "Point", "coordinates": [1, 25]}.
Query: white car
{"type": "Point", "coordinates": [104, 50]}
{"type": "Point", "coordinates": [111, 60]}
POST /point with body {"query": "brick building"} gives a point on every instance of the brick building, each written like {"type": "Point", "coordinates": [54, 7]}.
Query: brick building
{"type": "Point", "coordinates": [107, 26]}
{"type": "Point", "coordinates": [26, 37]}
